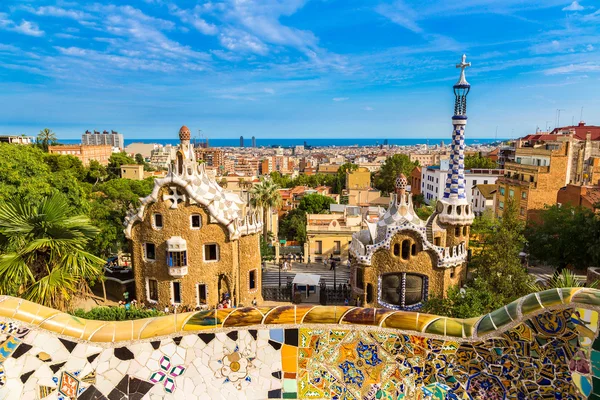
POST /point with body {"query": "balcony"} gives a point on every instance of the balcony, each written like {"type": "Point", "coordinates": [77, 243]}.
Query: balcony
{"type": "Point", "coordinates": [514, 166]}
{"type": "Point", "coordinates": [178, 272]}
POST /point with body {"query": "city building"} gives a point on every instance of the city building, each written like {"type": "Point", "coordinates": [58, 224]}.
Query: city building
{"type": "Point", "coordinates": [100, 153]}
{"type": "Point", "coordinates": [213, 157]}
{"type": "Point", "coordinates": [114, 139]}
{"type": "Point", "coordinates": [433, 179]}
{"type": "Point", "coordinates": [426, 159]}
{"type": "Point", "coordinates": [329, 235]}
{"type": "Point", "coordinates": [162, 156]}
{"type": "Point", "coordinates": [502, 154]}
{"type": "Point", "coordinates": [580, 196]}
{"type": "Point", "coordinates": [534, 178]}
{"type": "Point", "coordinates": [328, 169]}
{"type": "Point", "coordinates": [360, 178]}
{"type": "Point", "coordinates": [17, 139]}
{"type": "Point", "coordinates": [415, 180]}
{"type": "Point", "coordinates": [241, 141]}
{"type": "Point", "coordinates": [253, 142]}
{"type": "Point", "coordinates": [399, 260]}
{"type": "Point", "coordinates": [132, 171]}
{"type": "Point", "coordinates": [193, 243]}
{"type": "Point", "coordinates": [482, 198]}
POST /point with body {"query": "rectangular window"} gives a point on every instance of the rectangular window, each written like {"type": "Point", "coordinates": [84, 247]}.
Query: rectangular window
{"type": "Point", "coordinates": [485, 182]}
{"type": "Point", "coordinates": [176, 292]}
{"type": "Point", "coordinates": [319, 249]}
{"type": "Point", "coordinates": [474, 182]}
{"type": "Point", "coordinates": [196, 221]}
{"type": "Point", "coordinates": [153, 290]}
{"type": "Point", "coordinates": [177, 258]}
{"type": "Point", "coordinates": [522, 211]}
{"type": "Point", "coordinates": [523, 195]}
{"type": "Point", "coordinates": [149, 251]}
{"type": "Point", "coordinates": [211, 252]}
{"type": "Point", "coordinates": [337, 247]}
{"type": "Point", "coordinates": [201, 293]}
{"type": "Point", "coordinates": [511, 193]}
{"type": "Point", "coordinates": [501, 205]}
{"type": "Point", "coordinates": [252, 280]}
{"type": "Point", "coordinates": [502, 191]}
{"type": "Point", "coordinates": [158, 221]}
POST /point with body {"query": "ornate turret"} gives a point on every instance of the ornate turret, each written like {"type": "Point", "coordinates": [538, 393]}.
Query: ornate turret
{"type": "Point", "coordinates": [185, 154]}
{"type": "Point", "coordinates": [453, 207]}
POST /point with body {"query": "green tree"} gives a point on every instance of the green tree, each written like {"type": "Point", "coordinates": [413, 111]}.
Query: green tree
{"type": "Point", "coordinates": [293, 226]}
{"type": "Point", "coordinates": [472, 301]}
{"type": "Point", "coordinates": [564, 279]}
{"type": "Point", "coordinates": [265, 195]}
{"type": "Point", "coordinates": [565, 235]}
{"type": "Point", "coordinates": [498, 265]}
{"type": "Point", "coordinates": [477, 161]}
{"type": "Point", "coordinates": [139, 159]}
{"type": "Point", "coordinates": [95, 173]}
{"type": "Point", "coordinates": [385, 179]}
{"type": "Point", "coordinates": [114, 164]}
{"type": "Point", "coordinates": [46, 138]}
{"type": "Point", "coordinates": [44, 258]}
{"type": "Point", "coordinates": [315, 203]}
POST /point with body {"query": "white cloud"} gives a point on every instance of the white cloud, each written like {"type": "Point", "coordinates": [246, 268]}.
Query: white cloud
{"type": "Point", "coordinates": [58, 12]}
{"type": "Point", "coordinates": [340, 98]}
{"type": "Point", "coordinates": [589, 47]}
{"type": "Point", "coordinates": [401, 14]}
{"type": "Point", "coordinates": [25, 27]}
{"type": "Point", "coordinates": [367, 108]}
{"type": "Point", "coordinates": [574, 6]}
{"type": "Point", "coordinates": [238, 40]}
{"type": "Point", "coordinates": [193, 17]}
{"type": "Point", "coordinates": [269, 90]}
{"type": "Point", "coordinates": [573, 68]}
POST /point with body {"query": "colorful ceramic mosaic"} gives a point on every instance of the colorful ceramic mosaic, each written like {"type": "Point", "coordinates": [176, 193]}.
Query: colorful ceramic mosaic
{"type": "Point", "coordinates": [543, 346]}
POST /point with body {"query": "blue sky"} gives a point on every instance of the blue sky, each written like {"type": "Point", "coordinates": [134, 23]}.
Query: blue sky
{"type": "Point", "coordinates": [295, 68]}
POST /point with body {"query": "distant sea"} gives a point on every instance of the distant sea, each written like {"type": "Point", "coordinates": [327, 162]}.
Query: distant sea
{"type": "Point", "coordinates": [291, 142]}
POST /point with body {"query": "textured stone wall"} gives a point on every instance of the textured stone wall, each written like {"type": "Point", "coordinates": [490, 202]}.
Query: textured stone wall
{"type": "Point", "coordinates": [176, 222]}
{"type": "Point", "coordinates": [542, 346]}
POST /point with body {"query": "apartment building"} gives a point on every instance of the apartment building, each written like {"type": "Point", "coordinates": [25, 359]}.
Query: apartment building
{"type": "Point", "coordinates": [100, 153]}
{"type": "Point", "coordinates": [114, 139]}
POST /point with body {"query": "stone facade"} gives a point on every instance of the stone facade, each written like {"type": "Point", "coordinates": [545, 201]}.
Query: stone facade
{"type": "Point", "coordinates": [193, 244]}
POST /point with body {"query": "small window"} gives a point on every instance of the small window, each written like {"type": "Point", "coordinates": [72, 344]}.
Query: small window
{"type": "Point", "coordinates": [252, 280]}
{"type": "Point", "coordinates": [523, 195]}
{"type": "Point", "coordinates": [413, 249]}
{"type": "Point", "coordinates": [153, 290]}
{"type": "Point", "coordinates": [437, 241]}
{"type": "Point", "coordinates": [397, 249]}
{"type": "Point", "coordinates": [337, 247]}
{"type": "Point", "coordinates": [474, 182]}
{"type": "Point", "coordinates": [149, 251]}
{"type": "Point", "coordinates": [485, 182]}
{"type": "Point", "coordinates": [501, 205]}
{"type": "Point", "coordinates": [158, 221]}
{"type": "Point", "coordinates": [502, 191]}
{"type": "Point", "coordinates": [319, 249]}
{"type": "Point", "coordinates": [522, 211]}
{"type": "Point", "coordinates": [511, 193]}
{"type": "Point", "coordinates": [201, 293]}
{"type": "Point", "coordinates": [177, 259]}
{"type": "Point", "coordinates": [360, 278]}
{"type": "Point", "coordinates": [196, 221]}
{"type": "Point", "coordinates": [464, 231]}
{"type": "Point", "coordinates": [457, 231]}
{"type": "Point", "coordinates": [211, 252]}
{"type": "Point", "coordinates": [452, 273]}
{"type": "Point", "coordinates": [176, 292]}
{"type": "Point", "coordinates": [405, 249]}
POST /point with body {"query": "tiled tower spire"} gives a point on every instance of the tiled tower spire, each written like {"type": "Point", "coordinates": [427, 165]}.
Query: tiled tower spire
{"type": "Point", "coordinates": [456, 208]}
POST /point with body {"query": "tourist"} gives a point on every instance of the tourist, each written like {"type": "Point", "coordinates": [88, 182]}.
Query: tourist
{"type": "Point", "coordinates": [346, 302]}
{"type": "Point", "coordinates": [332, 265]}
{"type": "Point", "coordinates": [285, 265]}
{"type": "Point", "coordinates": [166, 309]}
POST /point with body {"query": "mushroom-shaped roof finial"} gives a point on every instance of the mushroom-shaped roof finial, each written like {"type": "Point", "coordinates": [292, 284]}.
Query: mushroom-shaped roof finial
{"type": "Point", "coordinates": [184, 133]}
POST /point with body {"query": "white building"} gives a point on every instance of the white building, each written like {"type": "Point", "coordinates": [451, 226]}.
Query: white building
{"type": "Point", "coordinates": [114, 139]}
{"type": "Point", "coordinates": [162, 156]}
{"type": "Point", "coordinates": [482, 198]}
{"type": "Point", "coordinates": [17, 139]}
{"type": "Point", "coordinates": [433, 180]}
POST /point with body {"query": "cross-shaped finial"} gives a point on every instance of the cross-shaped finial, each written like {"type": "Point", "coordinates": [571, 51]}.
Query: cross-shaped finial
{"type": "Point", "coordinates": [464, 64]}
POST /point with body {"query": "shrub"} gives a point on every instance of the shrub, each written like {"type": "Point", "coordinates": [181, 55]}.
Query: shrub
{"type": "Point", "coordinates": [116, 313]}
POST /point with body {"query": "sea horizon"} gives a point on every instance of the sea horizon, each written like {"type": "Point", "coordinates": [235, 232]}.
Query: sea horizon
{"type": "Point", "coordinates": [291, 142]}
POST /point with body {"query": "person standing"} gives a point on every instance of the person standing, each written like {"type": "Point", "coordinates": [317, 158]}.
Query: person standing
{"type": "Point", "coordinates": [332, 265]}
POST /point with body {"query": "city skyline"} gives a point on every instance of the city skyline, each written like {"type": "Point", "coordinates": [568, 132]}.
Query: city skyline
{"type": "Point", "coordinates": [281, 69]}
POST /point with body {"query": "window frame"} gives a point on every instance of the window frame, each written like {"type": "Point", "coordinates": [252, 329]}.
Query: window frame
{"type": "Point", "coordinates": [218, 253]}
{"type": "Point", "coordinates": [192, 227]}
{"type": "Point", "coordinates": [337, 247]}
{"type": "Point", "coordinates": [319, 247]}
{"type": "Point", "coordinates": [149, 292]}
{"type": "Point", "coordinates": [198, 303]}
{"type": "Point", "coordinates": [173, 293]}
{"type": "Point", "coordinates": [145, 251]}
{"type": "Point", "coordinates": [402, 306]}
{"type": "Point", "coordinates": [154, 224]}
{"type": "Point", "coordinates": [255, 273]}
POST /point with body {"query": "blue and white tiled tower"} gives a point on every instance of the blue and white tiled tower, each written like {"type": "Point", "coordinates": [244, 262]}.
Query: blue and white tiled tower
{"type": "Point", "coordinates": [454, 208]}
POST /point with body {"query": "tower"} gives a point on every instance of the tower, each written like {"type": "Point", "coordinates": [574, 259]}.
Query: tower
{"type": "Point", "coordinates": [453, 208]}
{"type": "Point", "coordinates": [253, 142]}
{"type": "Point", "coordinates": [241, 141]}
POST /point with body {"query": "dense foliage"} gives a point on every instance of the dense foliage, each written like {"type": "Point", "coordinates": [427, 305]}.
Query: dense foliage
{"type": "Point", "coordinates": [499, 276]}
{"type": "Point", "coordinates": [43, 246]}
{"type": "Point", "coordinates": [385, 179]}
{"type": "Point", "coordinates": [293, 225]}
{"type": "Point", "coordinates": [116, 313]}
{"type": "Point", "coordinates": [477, 161]}
{"type": "Point", "coordinates": [266, 196]}
{"type": "Point", "coordinates": [565, 236]}
{"type": "Point", "coordinates": [337, 182]}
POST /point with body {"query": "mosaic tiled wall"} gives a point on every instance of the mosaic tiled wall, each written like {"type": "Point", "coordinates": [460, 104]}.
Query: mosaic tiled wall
{"type": "Point", "coordinates": [543, 346]}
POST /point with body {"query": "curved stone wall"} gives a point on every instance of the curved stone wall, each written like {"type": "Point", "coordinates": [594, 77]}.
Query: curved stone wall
{"type": "Point", "coordinates": [541, 346]}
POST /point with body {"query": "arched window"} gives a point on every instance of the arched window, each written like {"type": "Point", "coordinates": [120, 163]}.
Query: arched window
{"type": "Point", "coordinates": [457, 231]}
{"type": "Point", "coordinates": [179, 163]}
{"type": "Point", "coordinates": [403, 290]}
{"type": "Point", "coordinates": [405, 249]}
{"type": "Point", "coordinates": [459, 210]}
{"type": "Point", "coordinates": [369, 293]}
{"type": "Point", "coordinates": [396, 249]}
{"type": "Point", "coordinates": [413, 249]}
{"type": "Point", "coordinates": [464, 231]}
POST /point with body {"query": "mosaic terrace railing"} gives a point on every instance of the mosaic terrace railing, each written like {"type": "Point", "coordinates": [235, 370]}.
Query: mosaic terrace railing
{"type": "Point", "coordinates": [543, 345]}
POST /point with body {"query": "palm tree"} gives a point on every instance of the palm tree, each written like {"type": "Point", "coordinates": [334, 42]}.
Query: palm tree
{"type": "Point", "coordinates": [46, 138]}
{"type": "Point", "coordinates": [266, 195]}
{"type": "Point", "coordinates": [43, 251]}
{"type": "Point", "coordinates": [564, 279]}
